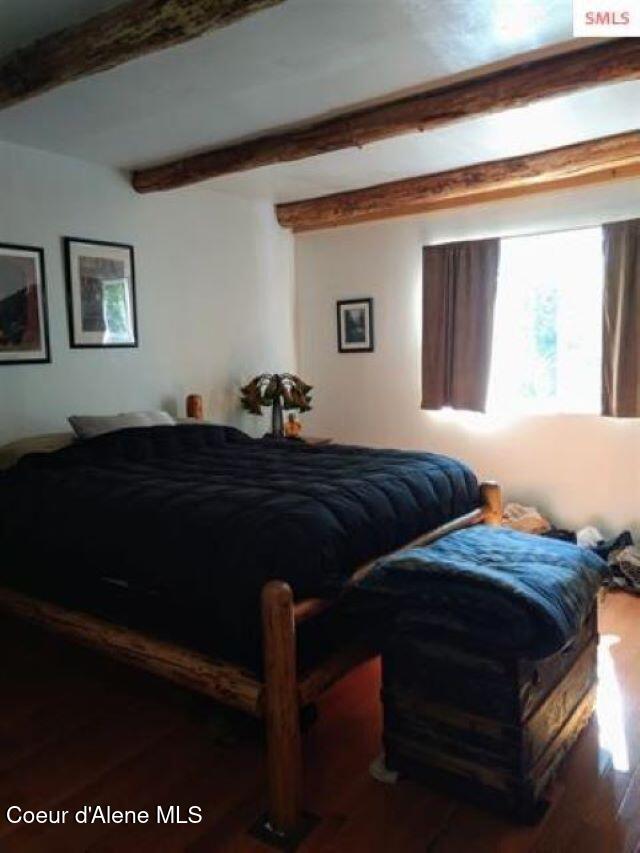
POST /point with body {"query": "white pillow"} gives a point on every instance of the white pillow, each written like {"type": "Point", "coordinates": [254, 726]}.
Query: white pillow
{"type": "Point", "coordinates": [89, 426]}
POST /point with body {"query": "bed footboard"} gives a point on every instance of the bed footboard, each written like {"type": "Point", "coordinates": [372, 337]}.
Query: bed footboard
{"type": "Point", "coordinates": [281, 710]}
{"type": "Point", "coordinates": [285, 695]}
{"type": "Point", "coordinates": [491, 498]}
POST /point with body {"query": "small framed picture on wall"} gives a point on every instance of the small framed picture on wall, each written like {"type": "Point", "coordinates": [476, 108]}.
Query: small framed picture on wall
{"type": "Point", "coordinates": [24, 324]}
{"type": "Point", "coordinates": [101, 294]}
{"type": "Point", "coordinates": [355, 325]}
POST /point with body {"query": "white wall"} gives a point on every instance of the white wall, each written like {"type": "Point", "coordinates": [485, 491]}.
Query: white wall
{"type": "Point", "coordinates": [214, 291]}
{"type": "Point", "coordinates": [580, 469]}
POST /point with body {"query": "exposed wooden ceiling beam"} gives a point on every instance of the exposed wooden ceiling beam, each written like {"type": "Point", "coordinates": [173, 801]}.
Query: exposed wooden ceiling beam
{"type": "Point", "coordinates": [126, 32]}
{"type": "Point", "coordinates": [513, 87]}
{"type": "Point", "coordinates": [587, 162]}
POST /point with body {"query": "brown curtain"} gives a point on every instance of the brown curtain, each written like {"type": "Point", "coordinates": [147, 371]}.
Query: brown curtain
{"type": "Point", "coordinates": [621, 320]}
{"type": "Point", "coordinates": [459, 293]}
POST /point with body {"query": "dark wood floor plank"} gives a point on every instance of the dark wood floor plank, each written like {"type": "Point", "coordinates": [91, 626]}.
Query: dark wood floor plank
{"type": "Point", "coordinates": [217, 782]}
{"type": "Point", "coordinates": [62, 767]}
{"type": "Point", "coordinates": [136, 784]}
{"type": "Point", "coordinates": [378, 820]}
{"type": "Point", "coordinates": [628, 817]}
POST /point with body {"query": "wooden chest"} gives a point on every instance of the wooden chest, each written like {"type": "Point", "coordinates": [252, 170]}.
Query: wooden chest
{"type": "Point", "coordinates": [491, 729]}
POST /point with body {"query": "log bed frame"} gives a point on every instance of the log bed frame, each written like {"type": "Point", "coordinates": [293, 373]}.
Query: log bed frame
{"type": "Point", "coordinates": [282, 694]}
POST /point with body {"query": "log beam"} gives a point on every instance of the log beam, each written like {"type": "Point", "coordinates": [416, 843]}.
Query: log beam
{"type": "Point", "coordinates": [589, 162]}
{"type": "Point", "coordinates": [491, 497]}
{"type": "Point", "coordinates": [129, 31]}
{"type": "Point", "coordinates": [512, 87]}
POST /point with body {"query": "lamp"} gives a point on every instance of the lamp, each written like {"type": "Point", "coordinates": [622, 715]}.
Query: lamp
{"type": "Point", "coordinates": [280, 391]}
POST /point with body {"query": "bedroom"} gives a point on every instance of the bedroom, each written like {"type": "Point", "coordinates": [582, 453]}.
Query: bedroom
{"type": "Point", "coordinates": [239, 193]}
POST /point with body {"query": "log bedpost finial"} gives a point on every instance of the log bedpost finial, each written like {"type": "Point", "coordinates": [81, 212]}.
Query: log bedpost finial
{"type": "Point", "coordinates": [282, 712]}
{"type": "Point", "coordinates": [491, 495]}
{"type": "Point", "coordinates": [195, 407]}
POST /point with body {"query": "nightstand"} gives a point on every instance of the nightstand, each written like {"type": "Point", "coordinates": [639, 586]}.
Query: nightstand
{"type": "Point", "coordinates": [315, 441]}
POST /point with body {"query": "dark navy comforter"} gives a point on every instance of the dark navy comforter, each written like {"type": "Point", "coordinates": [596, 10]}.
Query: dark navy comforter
{"type": "Point", "coordinates": [188, 522]}
{"type": "Point", "coordinates": [488, 588]}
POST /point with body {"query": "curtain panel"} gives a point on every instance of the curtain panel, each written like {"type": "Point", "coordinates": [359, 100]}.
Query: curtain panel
{"type": "Point", "coordinates": [621, 320]}
{"type": "Point", "coordinates": [459, 293]}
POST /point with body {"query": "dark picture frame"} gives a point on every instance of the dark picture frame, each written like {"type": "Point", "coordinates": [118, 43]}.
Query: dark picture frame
{"type": "Point", "coordinates": [101, 294]}
{"type": "Point", "coordinates": [24, 313]}
{"type": "Point", "coordinates": [355, 325]}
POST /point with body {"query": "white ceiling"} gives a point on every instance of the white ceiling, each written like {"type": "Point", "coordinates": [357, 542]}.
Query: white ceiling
{"type": "Point", "coordinates": [300, 60]}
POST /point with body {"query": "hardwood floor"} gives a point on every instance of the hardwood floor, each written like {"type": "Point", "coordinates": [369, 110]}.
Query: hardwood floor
{"type": "Point", "coordinates": [77, 730]}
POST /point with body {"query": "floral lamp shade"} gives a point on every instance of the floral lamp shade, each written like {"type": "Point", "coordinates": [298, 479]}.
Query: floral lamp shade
{"type": "Point", "coordinates": [280, 391]}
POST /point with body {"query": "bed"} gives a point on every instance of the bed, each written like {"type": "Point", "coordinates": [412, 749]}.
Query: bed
{"type": "Point", "coordinates": [201, 554]}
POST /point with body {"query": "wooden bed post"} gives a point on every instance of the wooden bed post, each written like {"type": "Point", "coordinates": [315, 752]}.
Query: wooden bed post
{"type": "Point", "coordinates": [491, 495]}
{"type": "Point", "coordinates": [282, 713]}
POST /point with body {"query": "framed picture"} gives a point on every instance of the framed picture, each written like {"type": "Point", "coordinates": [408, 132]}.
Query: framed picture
{"type": "Point", "coordinates": [101, 294]}
{"type": "Point", "coordinates": [24, 324]}
{"type": "Point", "coordinates": [355, 325]}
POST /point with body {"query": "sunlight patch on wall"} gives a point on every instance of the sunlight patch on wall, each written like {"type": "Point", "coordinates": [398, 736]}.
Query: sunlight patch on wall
{"type": "Point", "coordinates": [476, 422]}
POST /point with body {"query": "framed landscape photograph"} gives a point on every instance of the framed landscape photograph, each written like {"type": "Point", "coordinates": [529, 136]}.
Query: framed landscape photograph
{"type": "Point", "coordinates": [355, 325]}
{"type": "Point", "coordinates": [101, 294]}
{"type": "Point", "coordinates": [24, 324]}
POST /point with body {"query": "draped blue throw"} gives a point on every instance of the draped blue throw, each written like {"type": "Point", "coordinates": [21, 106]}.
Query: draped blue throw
{"type": "Point", "coordinates": [489, 588]}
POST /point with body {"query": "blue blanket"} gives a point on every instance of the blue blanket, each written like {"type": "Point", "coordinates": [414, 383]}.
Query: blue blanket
{"type": "Point", "coordinates": [177, 529]}
{"type": "Point", "coordinates": [489, 588]}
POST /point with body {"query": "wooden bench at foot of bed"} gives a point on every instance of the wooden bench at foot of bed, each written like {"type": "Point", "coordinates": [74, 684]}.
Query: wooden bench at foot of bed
{"type": "Point", "coordinates": [282, 694]}
{"type": "Point", "coordinates": [488, 728]}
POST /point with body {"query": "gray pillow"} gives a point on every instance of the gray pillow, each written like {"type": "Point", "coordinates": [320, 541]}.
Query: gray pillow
{"type": "Point", "coordinates": [10, 454]}
{"type": "Point", "coordinates": [89, 426]}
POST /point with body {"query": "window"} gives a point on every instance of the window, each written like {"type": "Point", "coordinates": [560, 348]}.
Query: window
{"type": "Point", "coordinates": [547, 340]}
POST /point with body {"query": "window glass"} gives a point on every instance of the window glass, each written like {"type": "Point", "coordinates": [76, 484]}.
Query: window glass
{"type": "Point", "coordinates": [547, 345]}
